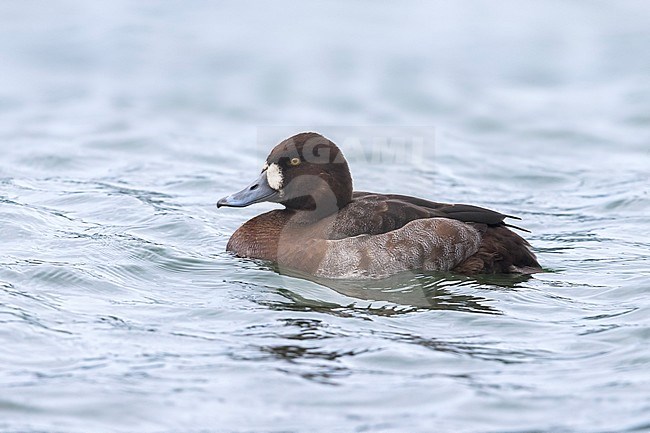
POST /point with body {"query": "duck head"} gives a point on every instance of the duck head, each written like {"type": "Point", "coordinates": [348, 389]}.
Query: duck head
{"type": "Point", "coordinates": [306, 172]}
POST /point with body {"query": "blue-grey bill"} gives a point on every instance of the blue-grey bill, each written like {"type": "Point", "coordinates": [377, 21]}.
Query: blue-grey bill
{"type": "Point", "coordinates": [257, 192]}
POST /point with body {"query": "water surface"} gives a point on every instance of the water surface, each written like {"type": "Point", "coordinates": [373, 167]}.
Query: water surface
{"type": "Point", "coordinates": [121, 125]}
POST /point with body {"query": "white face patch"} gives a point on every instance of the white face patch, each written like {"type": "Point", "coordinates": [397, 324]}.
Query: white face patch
{"type": "Point", "coordinates": [274, 176]}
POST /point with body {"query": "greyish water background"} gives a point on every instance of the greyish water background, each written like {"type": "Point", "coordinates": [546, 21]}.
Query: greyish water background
{"type": "Point", "coordinates": [122, 123]}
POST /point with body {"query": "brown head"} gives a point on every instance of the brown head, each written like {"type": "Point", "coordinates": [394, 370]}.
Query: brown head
{"type": "Point", "coordinates": [306, 172]}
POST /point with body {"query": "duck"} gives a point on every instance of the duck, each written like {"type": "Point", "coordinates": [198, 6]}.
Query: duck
{"type": "Point", "coordinates": [328, 230]}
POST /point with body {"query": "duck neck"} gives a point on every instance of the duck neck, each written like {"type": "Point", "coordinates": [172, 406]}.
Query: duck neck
{"type": "Point", "coordinates": [327, 195]}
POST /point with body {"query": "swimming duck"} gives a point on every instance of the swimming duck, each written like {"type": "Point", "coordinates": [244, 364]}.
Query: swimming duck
{"type": "Point", "coordinates": [328, 230]}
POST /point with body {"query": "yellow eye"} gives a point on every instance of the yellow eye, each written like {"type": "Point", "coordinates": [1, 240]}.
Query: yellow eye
{"type": "Point", "coordinates": [294, 161]}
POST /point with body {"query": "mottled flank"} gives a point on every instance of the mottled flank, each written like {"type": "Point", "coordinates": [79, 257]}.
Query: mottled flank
{"type": "Point", "coordinates": [434, 244]}
{"type": "Point", "coordinates": [330, 231]}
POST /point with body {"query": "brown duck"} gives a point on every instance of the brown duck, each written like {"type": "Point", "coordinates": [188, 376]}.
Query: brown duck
{"type": "Point", "coordinates": [329, 230]}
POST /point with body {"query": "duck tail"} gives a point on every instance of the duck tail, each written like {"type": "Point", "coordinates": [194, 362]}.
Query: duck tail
{"type": "Point", "coordinates": [502, 251]}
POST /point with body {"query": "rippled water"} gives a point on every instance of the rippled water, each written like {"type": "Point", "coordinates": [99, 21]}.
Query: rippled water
{"type": "Point", "coordinates": [121, 124]}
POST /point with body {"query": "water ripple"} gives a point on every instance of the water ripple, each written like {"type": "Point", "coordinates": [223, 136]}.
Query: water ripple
{"type": "Point", "coordinates": [123, 123]}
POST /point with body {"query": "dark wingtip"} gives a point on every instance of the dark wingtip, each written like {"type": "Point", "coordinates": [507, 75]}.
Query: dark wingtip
{"type": "Point", "coordinates": [515, 227]}
{"type": "Point", "coordinates": [512, 226]}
